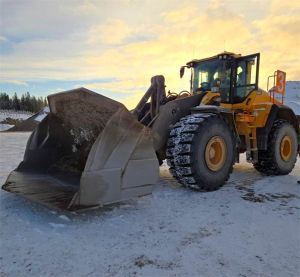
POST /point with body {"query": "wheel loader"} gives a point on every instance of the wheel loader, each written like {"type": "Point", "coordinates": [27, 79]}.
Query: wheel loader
{"type": "Point", "coordinates": [91, 151]}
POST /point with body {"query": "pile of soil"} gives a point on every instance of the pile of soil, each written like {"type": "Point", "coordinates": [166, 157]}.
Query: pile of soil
{"type": "Point", "coordinates": [11, 121]}
{"type": "Point", "coordinates": [27, 125]}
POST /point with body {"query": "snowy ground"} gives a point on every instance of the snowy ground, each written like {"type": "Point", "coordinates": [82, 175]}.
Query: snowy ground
{"type": "Point", "coordinates": [251, 227]}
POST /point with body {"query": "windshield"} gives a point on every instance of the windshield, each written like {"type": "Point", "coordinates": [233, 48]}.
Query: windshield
{"type": "Point", "coordinates": [212, 75]}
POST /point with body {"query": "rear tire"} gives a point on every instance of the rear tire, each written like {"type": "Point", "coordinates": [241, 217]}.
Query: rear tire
{"type": "Point", "coordinates": [281, 155]}
{"type": "Point", "coordinates": [201, 151]}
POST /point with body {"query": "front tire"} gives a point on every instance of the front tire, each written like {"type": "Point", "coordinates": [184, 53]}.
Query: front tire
{"type": "Point", "coordinates": [201, 151]}
{"type": "Point", "coordinates": [281, 155]}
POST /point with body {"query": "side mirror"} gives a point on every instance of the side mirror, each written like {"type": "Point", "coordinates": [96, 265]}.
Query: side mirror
{"type": "Point", "coordinates": [182, 71]}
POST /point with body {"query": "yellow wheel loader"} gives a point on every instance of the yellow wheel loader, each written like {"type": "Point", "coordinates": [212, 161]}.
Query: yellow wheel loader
{"type": "Point", "coordinates": [91, 151]}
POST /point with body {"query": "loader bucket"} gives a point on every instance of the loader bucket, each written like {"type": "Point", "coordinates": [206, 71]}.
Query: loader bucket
{"type": "Point", "coordinates": [88, 151]}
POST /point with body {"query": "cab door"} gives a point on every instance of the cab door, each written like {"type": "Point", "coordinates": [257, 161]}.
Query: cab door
{"type": "Point", "coordinates": [245, 76]}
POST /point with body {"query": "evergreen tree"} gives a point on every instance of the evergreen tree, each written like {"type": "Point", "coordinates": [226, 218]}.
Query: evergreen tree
{"type": "Point", "coordinates": [26, 103]}
{"type": "Point", "coordinates": [16, 103]}
{"type": "Point", "coordinates": [22, 102]}
{"type": "Point", "coordinates": [28, 106]}
{"type": "Point", "coordinates": [5, 102]}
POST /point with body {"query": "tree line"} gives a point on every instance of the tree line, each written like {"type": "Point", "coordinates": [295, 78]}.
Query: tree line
{"type": "Point", "coordinates": [25, 103]}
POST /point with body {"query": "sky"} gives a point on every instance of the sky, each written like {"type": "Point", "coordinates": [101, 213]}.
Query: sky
{"type": "Point", "coordinates": [114, 47]}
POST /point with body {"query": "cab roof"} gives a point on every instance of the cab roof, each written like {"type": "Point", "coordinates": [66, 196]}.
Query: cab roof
{"type": "Point", "coordinates": [190, 63]}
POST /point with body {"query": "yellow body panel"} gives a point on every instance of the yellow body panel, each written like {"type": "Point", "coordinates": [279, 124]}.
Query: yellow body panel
{"type": "Point", "coordinates": [209, 96]}
{"type": "Point", "coordinates": [251, 114]}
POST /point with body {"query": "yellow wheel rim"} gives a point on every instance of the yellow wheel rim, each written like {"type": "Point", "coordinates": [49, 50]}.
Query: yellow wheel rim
{"type": "Point", "coordinates": [215, 153]}
{"type": "Point", "coordinates": [286, 148]}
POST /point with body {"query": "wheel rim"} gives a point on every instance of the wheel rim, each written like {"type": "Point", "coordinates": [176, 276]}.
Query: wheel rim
{"type": "Point", "coordinates": [215, 153]}
{"type": "Point", "coordinates": [286, 148]}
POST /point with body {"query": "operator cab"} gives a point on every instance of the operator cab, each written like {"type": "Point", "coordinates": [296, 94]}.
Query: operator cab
{"type": "Point", "coordinates": [229, 74]}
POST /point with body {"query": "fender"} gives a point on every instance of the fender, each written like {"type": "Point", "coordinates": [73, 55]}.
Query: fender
{"type": "Point", "coordinates": [277, 112]}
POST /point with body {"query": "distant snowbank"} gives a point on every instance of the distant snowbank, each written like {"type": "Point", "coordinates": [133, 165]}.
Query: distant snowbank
{"type": "Point", "coordinates": [292, 91]}
{"type": "Point", "coordinates": [4, 127]}
{"type": "Point", "coordinates": [292, 96]}
{"type": "Point", "coordinates": [21, 120]}
{"type": "Point", "coordinates": [295, 106]}
{"type": "Point", "coordinates": [14, 114]}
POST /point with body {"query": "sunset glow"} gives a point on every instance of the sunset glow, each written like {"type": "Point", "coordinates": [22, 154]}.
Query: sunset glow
{"type": "Point", "coordinates": [114, 47]}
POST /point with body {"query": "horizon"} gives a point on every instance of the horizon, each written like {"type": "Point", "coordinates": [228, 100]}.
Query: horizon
{"type": "Point", "coordinates": [11, 94]}
{"type": "Point", "coordinates": [114, 48]}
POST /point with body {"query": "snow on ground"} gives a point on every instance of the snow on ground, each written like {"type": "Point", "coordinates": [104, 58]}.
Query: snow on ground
{"type": "Point", "coordinates": [250, 227]}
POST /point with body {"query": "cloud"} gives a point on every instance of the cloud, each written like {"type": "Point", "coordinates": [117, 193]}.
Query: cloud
{"type": "Point", "coordinates": [281, 7]}
{"type": "Point", "coordinates": [15, 82]}
{"type": "Point", "coordinates": [277, 35]}
{"type": "Point", "coordinates": [3, 39]}
{"type": "Point", "coordinates": [184, 34]}
{"type": "Point", "coordinates": [110, 32]}
{"type": "Point", "coordinates": [31, 19]}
